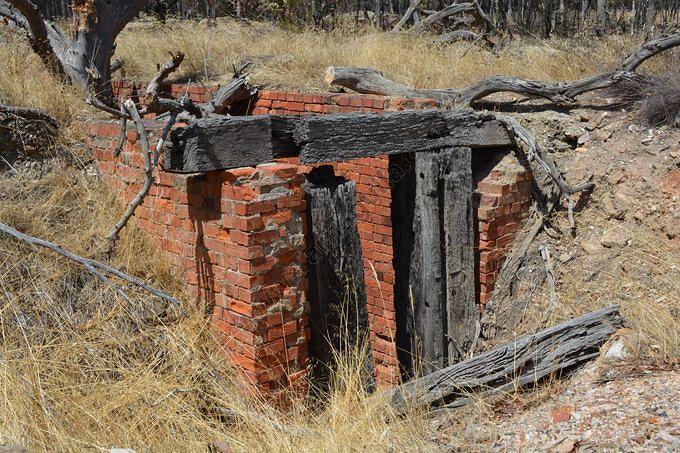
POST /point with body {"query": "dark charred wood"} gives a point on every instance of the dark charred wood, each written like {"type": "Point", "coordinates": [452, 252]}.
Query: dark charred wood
{"type": "Point", "coordinates": [339, 317]}
{"type": "Point", "coordinates": [221, 143]}
{"type": "Point", "coordinates": [328, 138]}
{"type": "Point", "coordinates": [403, 182]}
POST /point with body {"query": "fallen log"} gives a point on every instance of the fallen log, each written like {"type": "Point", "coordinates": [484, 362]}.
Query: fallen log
{"type": "Point", "coordinates": [457, 35]}
{"type": "Point", "coordinates": [452, 10]}
{"type": "Point", "coordinates": [520, 363]}
{"type": "Point", "coordinates": [371, 81]}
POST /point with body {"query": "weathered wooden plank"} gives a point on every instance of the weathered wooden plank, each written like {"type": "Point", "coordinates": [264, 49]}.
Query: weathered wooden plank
{"type": "Point", "coordinates": [339, 317]}
{"type": "Point", "coordinates": [328, 138]}
{"type": "Point", "coordinates": [457, 220]}
{"type": "Point", "coordinates": [426, 277]}
{"type": "Point", "coordinates": [220, 143]}
{"type": "Point", "coordinates": [522, 362]}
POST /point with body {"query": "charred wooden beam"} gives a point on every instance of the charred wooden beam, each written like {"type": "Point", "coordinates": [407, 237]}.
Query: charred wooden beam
{"type": "Point", "coordinates": [339, 317]}
{"type": "Point", "coordinates": [222, 143]}
{"type": "Point", "coordinates": [520, 363]}
{"type": "Point", "coordinates": [462, 314]}
{"type": "Point", "coordinates": [427, 281]}
{"type": "Point", "coordinates": [442, 265]}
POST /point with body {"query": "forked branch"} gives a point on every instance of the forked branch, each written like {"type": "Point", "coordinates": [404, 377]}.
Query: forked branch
{"type": "Point", "coordinates": [371, 81]}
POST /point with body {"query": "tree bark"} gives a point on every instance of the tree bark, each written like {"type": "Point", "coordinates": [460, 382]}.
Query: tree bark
{"type": "Point", "coordinates": [520, 363]}
{"type": "Point", "coordinates": [84, 57]}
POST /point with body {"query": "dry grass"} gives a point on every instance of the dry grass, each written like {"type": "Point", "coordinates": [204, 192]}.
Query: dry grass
{"type": "Point", "coordinates": [82, 368]}
{"type": "Point", "coordinates": [412, 60]}
{"type": "Point", "coordinates": [642, 278]}
{"type": "Point", "coordinates": [26, 82]}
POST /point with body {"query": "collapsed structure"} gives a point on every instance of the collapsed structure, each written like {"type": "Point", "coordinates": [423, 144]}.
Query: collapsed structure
{"type": "Point", "coordinates": [413, 240]}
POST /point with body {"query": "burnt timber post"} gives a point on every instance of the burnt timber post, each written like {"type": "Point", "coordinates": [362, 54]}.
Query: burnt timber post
{"type": "Point", "coordinates": [434, 258]}
{"type": "Point", "coordinates": [339, 318]}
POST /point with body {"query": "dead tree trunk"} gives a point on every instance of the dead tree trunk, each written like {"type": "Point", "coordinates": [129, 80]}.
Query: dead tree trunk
{"type": "Point", "coordinates": [84, 58]}
{"type": "Point", "coordinates": [520, 363]}
{"type": "Point", "coordinates": [339, 318]}
{"type": "Point", "coordinates": [650, 19]}
{"type": "Point", "coordinates": [601, 17]}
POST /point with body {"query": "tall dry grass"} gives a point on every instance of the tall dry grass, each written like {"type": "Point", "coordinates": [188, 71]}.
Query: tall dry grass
{"type": "Point", "coordinates": [24, 81]}
{"type": "Point", "coordinates": [410, 59]}
{"type": "Point", "coordinates": [83, 368]}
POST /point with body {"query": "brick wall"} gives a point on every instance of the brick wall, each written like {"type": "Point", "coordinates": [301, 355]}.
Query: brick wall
{"type": "Point", "coordinates": [236, 239]}
{"type": "Point", "coordinates": [271, 348]}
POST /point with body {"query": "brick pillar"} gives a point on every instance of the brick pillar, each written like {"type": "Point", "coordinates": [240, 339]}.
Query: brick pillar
{"type": "Point", "coordinates": [504, 198]}
{"type": "Point", "coordinates": [259, 303]}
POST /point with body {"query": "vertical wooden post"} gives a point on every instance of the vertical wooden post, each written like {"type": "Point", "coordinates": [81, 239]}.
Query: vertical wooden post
{"type": "Point", "coordinates": [441, 272]}
{"type": "Point", "coordinates": [339, 318]}
{"type": "Point", "coordinates": [458, 224]}
{"type": "Point", "coordinates": [426, 278]}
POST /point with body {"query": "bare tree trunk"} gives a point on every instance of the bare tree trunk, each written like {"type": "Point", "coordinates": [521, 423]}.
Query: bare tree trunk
{"type": "Point", "coordinates": [582, 13]}
{"type": "Point", "coordinates": [601, 17]}
{"type": "Point", "coordinates": [650, 17]}
{"type": "Point", "coordinates": [85, 56]}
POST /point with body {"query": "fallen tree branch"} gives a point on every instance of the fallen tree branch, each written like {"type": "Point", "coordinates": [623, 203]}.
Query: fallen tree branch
{"type": "Point", "coordinates": [412, 7]}
{"type": "Point", "coordinates": [113, 235]}
{"type": "Point", "coordinates": [94, 102]}
{"type": "Point", "coordinates": [29, 114]}
{"type": "Point", "coordinates": [458, 35]}
{"type": "Point", "coordinates": [550, 278]}
{"type": "Point", "coordinates": [534, 153]}
{"type": "Point", "coordinates": [452, 10]}
{"type": "Point", "coordinates": [520, 363]}
{"type": "Point", "coordinates": [97, 268]}
{"type": "Point", "coordinates": [32, 20]}
{"type": "Point", "coordinates": [370, 81]}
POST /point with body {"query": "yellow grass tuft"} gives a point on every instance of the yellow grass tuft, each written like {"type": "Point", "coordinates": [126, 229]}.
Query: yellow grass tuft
{"type": "Point", "coordinates": [80, 367]}
{"type": "Point", "coordinates": [410, 59]}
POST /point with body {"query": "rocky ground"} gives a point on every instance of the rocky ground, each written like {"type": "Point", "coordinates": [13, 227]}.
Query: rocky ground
{"type": "Point", "coordinates": [625, 250]}
{"type": "Point", "coordinates": [635, 412]}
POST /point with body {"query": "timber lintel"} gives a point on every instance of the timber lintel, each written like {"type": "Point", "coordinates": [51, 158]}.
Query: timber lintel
{"type": "Point", "coordinates": [223, 143]}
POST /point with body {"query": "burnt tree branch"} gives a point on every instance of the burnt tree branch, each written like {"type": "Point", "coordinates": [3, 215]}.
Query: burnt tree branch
{"type": "Point", "coordinates": [371, 81]}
